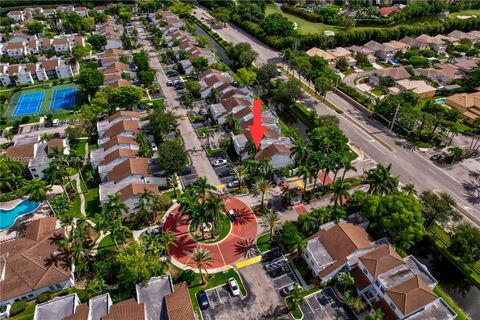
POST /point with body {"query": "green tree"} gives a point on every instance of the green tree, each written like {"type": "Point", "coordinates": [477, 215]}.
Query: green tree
{"type": "Point", "coordinates": [380, 180]}
{"type": "Point", "coordinates": [200, 63]}
{"type": "Point", "coordinates": [289, 236]}
{"type": "Point", "coordinates": [377, 314]}
{"type": "Point", "coordinates": [286, 92]}
{"type": "Point", "coordinates": [146, 77]}
{"type": "Point", "coordinates": [90, 80]}
{"type": "Point", "coordinates": [80, 52]}
{"type": "Point", "coordinates": [242, 54]}
{"type": "Point", "coordinates": [473, 79]}
{"type": "Point", "coordinates": [397, 216]}
{"type": "Point", "coordinates": [35, 27]}
{"type": "Point", "coordinates": [201, 259]}
{"type": "Point", "coordinates": [342, 64]}
{"type": "Point", "coordinates": [466, 243]}
{"type": "Point", "coordinates": [60, 205]}
{"type": "Point", "coordinates": [248, 77]}
{"type": "Point", "coordinates": [356, 304]}
{"type": "Point", "coordinates": [221, 15]}
{"type": "Point", "coordinates": [11, 174]}
{"type": "Point", "coordinates": [202, 41]}
{"type": "Point", "coordinates": [340, 192]}
{"type": "Point", "coordinates": [266, 73]}
{"type": "Point", "coordinates": [37, 189]}
{"type": "Point", "coordinates": [438, 208]}
{"type": "Point", "coordinates": [270, 222]}
{"type": "Point", "coordinates": [124, 97]}
{"type": "Point", "coordinates": [135, 266]}
{"type": "Point", "coordinates": [172, 158]}
{"type": "Point", "coordinates": [194, 87]}
{"type": "Point", "coordinates": [261, 188]}
{"type": "Point", "coordinates": [161, 123]}
{"type": "Point", "coordinates": [323, 85]}
{"type": "Point", "coordinates": [278, 25]}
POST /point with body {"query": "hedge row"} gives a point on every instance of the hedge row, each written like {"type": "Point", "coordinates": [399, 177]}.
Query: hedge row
{"type": "Point", "coordinates": [355, 36]}
{"type": "Point", "coordinates": [354, 94]}
{"type": "Point", "coordinates": [309, 16]}
{"type": "Point", "coordinates": [225, 44]}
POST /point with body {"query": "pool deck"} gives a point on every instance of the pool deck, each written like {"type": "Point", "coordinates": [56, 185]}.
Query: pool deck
{"type": "Point", "coordinates": [18, 228]}
{"type": "Point", "coordinates": [10, 204]}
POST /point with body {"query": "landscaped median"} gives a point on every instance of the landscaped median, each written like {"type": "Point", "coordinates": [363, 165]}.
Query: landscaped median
{"type": "Point", "coordinates": [213, 280]}
{"type": "Point", "coordinates": [222, 42]}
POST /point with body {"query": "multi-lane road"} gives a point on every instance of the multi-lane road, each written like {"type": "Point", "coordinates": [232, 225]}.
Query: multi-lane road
{"type": "Point", "coordinates": [380, 144]}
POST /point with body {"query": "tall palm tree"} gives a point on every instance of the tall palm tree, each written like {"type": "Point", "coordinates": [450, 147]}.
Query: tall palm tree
{"type": "Point", "coordinates": [241, 172]}
{"type": "Point", "coordinates": [37, 189]}
{"type": "Point", "coordinates": [55, 173]}
{"type": "Point", "coordinates": [300, 243]}
{"type": "Point", "coordinates": [262, 187]}
{"type": "Point", "coordinates": [381, 181]}
{"type": "Point", "coordinates": [299, 152]}
{"type": "Point", "coordinates": [347, 166]}
{"type": "Point", "coordinates": [409, 189]}
{"type": "Point", "coordinates": [201, 259]}
{"type": "Point", "coordinates": [340, 191]}
{"type": "Point", "coordinates": [188, 200]}
{"type": "Point", "coordinates": [305, 172]}
{"type": "Point", "coordinates": [270, 222]}
{"type": "Point", "coordinates": [202, 186]}
{"type": "Point", "coordinates": [215, 209]}
{"type": "Point", "coordinates": [113, 208]}
{"type": "Point", "coordinates": [167, 239]}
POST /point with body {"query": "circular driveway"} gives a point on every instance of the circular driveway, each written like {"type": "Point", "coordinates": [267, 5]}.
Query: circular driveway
{"type": "Point", "coordinates": [238, 245]}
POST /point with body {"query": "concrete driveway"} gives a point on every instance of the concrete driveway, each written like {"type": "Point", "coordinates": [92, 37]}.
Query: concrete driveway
{"type": "Point", "coordinates": [262, 302]}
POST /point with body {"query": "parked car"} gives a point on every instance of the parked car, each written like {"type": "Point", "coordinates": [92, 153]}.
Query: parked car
{"type": "Point", "coordinates": [169, 83]}
{"type": "Point", "coordinates": [171, 73]}
{"type": "Point", "coordinates": [203, 300]}
{"type": "Point", "coordinates": [233, 285]}
{"type": "Point", "coordinates": [271, 255]}
{"type": "Point", "coordinates": [232, 215]}
{"type": "Point", "coordinates": [153, 146]}
{"type": "Point", "coordinates": [275, 273]}
{"type": "Point", "coordinates": [224, 174]}
{"type": "Point", "coordinates": [279, 72]}
{"type": "Point", "coordinates": [436, 157]}
{"type": "Point", "coordinates": [179, 86]}
{"type": "Point", "coordinates": [219, 162]}
{"type": "Point", "coordinates": [287, 290]}
{"type": "Point", "coordinates": [233, 184]}
{"type": "Point", "coordinates": [55, 122]}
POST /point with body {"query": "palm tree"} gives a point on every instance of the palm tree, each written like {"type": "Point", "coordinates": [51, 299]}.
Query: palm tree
{"type": "Point", "coordinates": [340, 191]}
{"type": "Point", "coordinates": [188, 200]}
{"type": "Point", "coordinates": [270, 222]}
{"type": "Point", "coordinates": [347, 166]}
{"type": "Point", "coordinates": [167, 239]}
{"type": "Point", "coordinates": [297, 296]}
{"type": "Point", "coordinates": [37, 189]}
{"type": "Point", "coordinates": [215, 209]}
{"type": "Point", "coordinates": [55, 173]}
{"type": "Point", "coordinates": [151, 242]}
{"type": "Point", "coordinates": [262, 187]}
{"type": "Point", "coordinates": [305, 172]}
{"type": "Point", "coordinates": [201, 259]}
{"type": "Point", "coordinates": [299, 152]}
{"type": "Point", "coordinates": [8, 134]}
{"type": "Point", "coordinates": [141, 210]}
{"type": "Point", "coordinates": [300, 243]}
{"type": "Point", "coordinates": [113, 208]}
{"type": "Point", "coordinates": [377, 314]}
{"type": "Point", "coordinates": [409, 189]}
{"type": "Point", "coordinates": [241, 172]}
{"type": "Point", "coordinates": [202, 186]}
{"type": "Point", "coordinates": [381, 181]}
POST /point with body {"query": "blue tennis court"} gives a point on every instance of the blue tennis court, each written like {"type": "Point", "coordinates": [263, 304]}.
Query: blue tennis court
{"type": "Point", "coordinates": [28, 103]}
{"type": "Point", "coordinates": [63, 98]}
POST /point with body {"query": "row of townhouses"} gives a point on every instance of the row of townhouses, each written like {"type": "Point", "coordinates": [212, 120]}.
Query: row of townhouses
{"type": "Point", "coordinates": [113, 69]}
{"type": "Point", "coordinates": [401, 287]}
{"type": "Point", "coordinates": [29, 13]}
{"type": "Point", "coordinates": [233, 101]}
{"type": "Point", "coordinates": [112, 31]}
{"type": "Point", "coordinates": [23, 44]}
{"type": "Point", "coordinates": [386, 51]}
{"type": "Point", "coordinates": [159, 298]}
{"type": "Point", "coordinates": [120, 167]}
{"type": "Point", "coordinates": [39, 71]}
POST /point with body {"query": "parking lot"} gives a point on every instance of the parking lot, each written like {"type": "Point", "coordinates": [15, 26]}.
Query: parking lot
{"type": "Point", "coordinates": [263, 299]}
{"type": "Point", "coordinates": [324, 305]}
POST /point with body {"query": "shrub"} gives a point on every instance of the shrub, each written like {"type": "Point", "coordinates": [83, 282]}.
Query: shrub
{"type": "Point", "coordinates": [18, 307]}
{"type": "Point", "coordinates": [186, 275]}
{"type": "Point", "coordinates": [309, 16]}
{"type": "Point", "coordinates": [44, 297]}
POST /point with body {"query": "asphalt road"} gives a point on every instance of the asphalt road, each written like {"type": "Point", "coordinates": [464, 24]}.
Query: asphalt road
{"type": "Point", "coordinates": [190, 140]}
{"type": "Point", "coordinates": [380, 144]}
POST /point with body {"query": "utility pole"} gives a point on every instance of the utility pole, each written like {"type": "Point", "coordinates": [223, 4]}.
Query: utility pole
{"type": "Point", "coordinates": [395, 117]}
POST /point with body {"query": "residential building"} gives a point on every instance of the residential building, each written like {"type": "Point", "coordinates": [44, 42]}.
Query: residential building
{"type": "Point", "coordinates": [158, 299]}
{"type": "Point", "coordinates": [467, 104]}
{"type": "Point", "coordinates": [340, 52]}
{"type": "Point", "coordinates": [330, 58]}
{"type": "Point", "coordinates": [33, 264]}
{"type": "Point", "coordinates": [437, 43]}
{"type": "Point", "coordinates": [419, 87]}
{"type": "Point", "coordinates": [16, 15]}
{"type": "Point", "coordinates": [15, 49]}
{"type": "Point", "coordinates": [35, 153]}
{"type": "Point", "coordinates": [386, 11]}
{"type": "Point", "coordinates": [413, 43]}
{"type": "Point", "coordinates": [380, 51]}
{"type": "Point", "coordinates": [357, 49]}
{"type": "Point", "coordinates": [396, 74]}
{"type": "Point", "coordinates": [466, 64]}
{"type": "Point", "coordinates": [278, 155]}
{"type": "Point", "coordinates": [438, 75]}
{"type": "Point", "coordinates": [401, 288]}
{"type": "Point", "coordinates": [81, 11]}
{"type": "Point", "coordinates": [451, 71]}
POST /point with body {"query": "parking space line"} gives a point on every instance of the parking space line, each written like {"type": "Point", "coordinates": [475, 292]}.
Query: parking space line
{"type": "Point", "coordinates": [221, 255]}
{"type": "Point", "coordinates": [233, 234]}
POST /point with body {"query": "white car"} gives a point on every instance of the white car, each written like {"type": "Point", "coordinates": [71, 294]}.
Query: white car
{"type": "Point", "coordinates": [55, 122]}
{"type": "Point", "coordinates": [233, 285]}
{"type": "Point", "coordinates": [154, 146]}
{"type": "Point", "coordinates": [219, 162]}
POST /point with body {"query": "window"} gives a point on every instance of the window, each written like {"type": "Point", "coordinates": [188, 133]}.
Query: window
{"type": "Point", "coordinates": [377, 283]}
{"type": "Point", "coordinates": [58, 286]}
{"type": "Point", "coordinates": [393, 306]}
{"type": "Point", "coordinates": [30, 296]}
{"type": "Point", "coordinates": [33, 169]}
{"type": "Point", "coordinates": [52, 288]}
{"type": "Point", "coordinates": [364, 270]}
{"type": "Point", "coordinates": [381, 289]}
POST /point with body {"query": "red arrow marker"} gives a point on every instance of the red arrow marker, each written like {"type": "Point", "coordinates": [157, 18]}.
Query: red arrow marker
{"type": "Point", "coordinates": [257, 129]}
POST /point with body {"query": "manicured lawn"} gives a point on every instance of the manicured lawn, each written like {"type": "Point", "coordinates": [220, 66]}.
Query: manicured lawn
{"type": "Point", "coordinates": [304, 26]}
{"type": "Point", "coordinates": [92, 202]}
{"type": "Point", "coordinates": [465, 13]}
{"type": "Point", "coordinates": [213, 280]}
{"type": "Point", "coordinates": [263, 244]}
{"type": "Point", "coordinates": [26, 314]}
{"type": "Point", "coordinates": [106, 243]}
{"type": "Point", "coordinates": [80, 148]}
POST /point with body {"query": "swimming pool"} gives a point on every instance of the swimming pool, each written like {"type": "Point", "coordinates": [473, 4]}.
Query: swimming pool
{"type": "Point", "coordinates": [8, 217]}
{"type": "Point", "coordinates": [441, 100]}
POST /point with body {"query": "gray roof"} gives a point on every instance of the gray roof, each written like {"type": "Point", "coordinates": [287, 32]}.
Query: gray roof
{"type": "Point", "coordinates": [396, 276]}
{"type": "Point", "coordinates": [437, 310]}
{"type": "Point", "coordinates": [57, 308]}
{"type": "Point", "coordinates": [99, 306]}
{"type": "Point", "coordinates": [319, 253]}
{"type": "Point", "coordinates": [152, 295]}
{"type": "Point", "coordinates": [420, 270]}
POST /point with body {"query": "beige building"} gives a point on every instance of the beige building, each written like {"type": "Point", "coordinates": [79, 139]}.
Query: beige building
{"type": "Point", "coordinates": [419, 87]}
{"type": "Point", "coordinates": [467, 104]}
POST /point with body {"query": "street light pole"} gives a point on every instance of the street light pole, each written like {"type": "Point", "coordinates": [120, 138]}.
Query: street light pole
{"type": "Point", "coordinates": [395, 117]}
